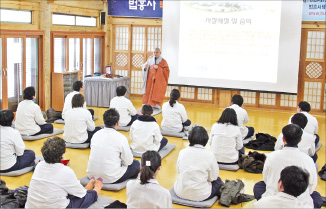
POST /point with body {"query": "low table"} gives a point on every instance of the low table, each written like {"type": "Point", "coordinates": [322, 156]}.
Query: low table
{"type": "Point", "coordinates": [99, 90]}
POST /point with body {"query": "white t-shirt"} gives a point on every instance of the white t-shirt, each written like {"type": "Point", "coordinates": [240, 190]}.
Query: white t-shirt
{"type": "Point", "coordinates": [225, 141]}
{"type": "Point", "coordinates": [280, 200]}
{"type": "Point", "coordinates": [78, 121]}
{"type": "Point", "coordinates": [145, 135]}
{"type": "Point", "coordinates": [110, 155]}
{"type": "Point", "coordinates": [50, 186]}
{"type": "Point", "coordinates": [173, 117]}
{"type": "Point", "coordinates": [28, 118]}
{"type": "Point", "coordinates": [307, 144]}
{"type": "Point", "coordinates": [150, 195]}
{"type": "Point", "coordinates": [67, 105]}
{"type": "Point", "coordinates": [242, 117]}
{"type": "Point", "coordinates": [312, 125]}
{"type": "Point", "coordinates": [197, 168]}
{"type": "Point", "coordinates": [11, 146]}
{"type": "Point", "coordinates": [125, 108]}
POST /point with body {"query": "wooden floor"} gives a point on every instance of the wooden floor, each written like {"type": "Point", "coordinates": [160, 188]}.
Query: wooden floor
{"type": "Point", "coordinates": [265, 121]}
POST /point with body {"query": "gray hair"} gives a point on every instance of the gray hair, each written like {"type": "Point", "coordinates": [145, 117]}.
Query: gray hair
{"type": "Point", "coordinates": [157, 49]}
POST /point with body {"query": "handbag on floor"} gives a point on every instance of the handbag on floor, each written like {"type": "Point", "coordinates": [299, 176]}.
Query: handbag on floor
{"type": "Point", "coordinates": [253, 162]}
{"type": "Point", "coordinates": [53, 115]}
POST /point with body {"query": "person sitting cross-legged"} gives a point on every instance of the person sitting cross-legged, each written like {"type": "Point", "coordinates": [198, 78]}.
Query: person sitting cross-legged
{"type": "Point", "coordinates": [79, 125]}
{"type": "Point", "coordinates": [242, 115]}
{"type": "Point", "coordinates": [13, 154]}
{"type": "Point", "coordinates": [290, 155]}
{"type": "Point", "coordinates": [198, 170]}
{"type": "Point", "coordinates": [307, 143]}
{"type": "Point", "coordinates": [29, 118]}
{"type": "Point", "coordinates": [110, 156]}
{"type": "Point", "coordinates": [54, 185]}
{"type": "Point", "coordinates": [145, 133]}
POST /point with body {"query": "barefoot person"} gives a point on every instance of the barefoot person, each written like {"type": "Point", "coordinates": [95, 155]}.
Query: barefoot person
{"type": "Point", "coordinates": [155, 79]}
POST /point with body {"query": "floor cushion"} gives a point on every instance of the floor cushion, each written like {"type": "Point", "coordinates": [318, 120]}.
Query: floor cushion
{"type": "Point", "coordinates": [77, 145]}
{"type": "Point", "coordinates": [197, 204]}
{"type": "Point", "coordinates": [24, 170]}
{"type": "Point", "coordinates": [61, 121]}
{"type": "Point", "coordinates": [174, 134]}
{"type": "Point", "coordinates": [163, 152]}
{"type": "Point", "coordinates": [101, 202]}
{"type": "Point", "coordinates": [108, 187]}
{"type": "Point", "coordinates": [56, 131]}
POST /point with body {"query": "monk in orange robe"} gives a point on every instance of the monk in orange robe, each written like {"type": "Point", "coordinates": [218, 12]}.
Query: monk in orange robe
{"type": "Point", "coordinates": [155, 80]}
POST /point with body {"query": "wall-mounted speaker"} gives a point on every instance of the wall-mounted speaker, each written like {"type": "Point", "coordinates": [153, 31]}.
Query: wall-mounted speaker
{"type": "Point", "coordinates": [102, 18]}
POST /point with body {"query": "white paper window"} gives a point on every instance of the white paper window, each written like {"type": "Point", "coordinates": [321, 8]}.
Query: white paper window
{"type": "Point", "coordinates": [15, 16]}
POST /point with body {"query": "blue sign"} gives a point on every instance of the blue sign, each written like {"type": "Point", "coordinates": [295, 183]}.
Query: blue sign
{"type": "Point", "coordinates": [135, 8]}
{"type": "Point", "coordinates": [314, 10]}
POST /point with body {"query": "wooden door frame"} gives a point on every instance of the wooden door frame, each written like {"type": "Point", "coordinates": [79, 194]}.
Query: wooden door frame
{"type": "Point", "coordinates": [24, 34]}
{"type": "Point", "coordinates": [81, 35]}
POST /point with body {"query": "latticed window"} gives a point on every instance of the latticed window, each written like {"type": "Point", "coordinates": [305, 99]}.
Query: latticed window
{"type": "Point", "coordinates": [267, 99]}
{"type": "Point", "coordinates": [248, 97]}
{"type": "Point", "coordinates": [315, 45]}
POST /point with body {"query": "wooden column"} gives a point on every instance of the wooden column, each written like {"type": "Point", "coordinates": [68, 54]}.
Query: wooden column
{"type": "Point", "coordinates": [45, 25]}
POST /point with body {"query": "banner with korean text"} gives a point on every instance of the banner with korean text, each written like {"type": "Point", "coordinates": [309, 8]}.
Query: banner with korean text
{"type": "Point", "coordinates": [135, 8]}
{"type": "Point", "coordinates": [314, 10]}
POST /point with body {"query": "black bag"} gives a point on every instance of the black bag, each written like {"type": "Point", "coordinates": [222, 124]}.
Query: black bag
{"type": "Point", "coordinates": [116, 204]}
{"type": "Point", "coordinates": [53, 115]}
{"type": "Point", "coordinates": [253, 162]}
{"type": "Point", "coordinates": [263, 142]}
{"type": "Point", "coordinates": [322, 173]}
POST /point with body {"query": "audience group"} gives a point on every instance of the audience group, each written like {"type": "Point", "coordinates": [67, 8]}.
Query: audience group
{"type": "Point", "coordinates": [289, 174]}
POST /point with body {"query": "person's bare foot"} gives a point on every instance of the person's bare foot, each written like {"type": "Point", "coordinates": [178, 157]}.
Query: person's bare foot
{"type": "Point", "coordinates": [90, 184]}
{"type": "Point", "coordinates": [98, 185]}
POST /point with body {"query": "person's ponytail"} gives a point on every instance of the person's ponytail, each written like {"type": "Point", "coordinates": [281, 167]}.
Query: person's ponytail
{"type": "Point", "coordinates": [146, 174]}
{"type": "Point", "coordinates": [150, 162]}
{"type": "Point", "coordinates": [174, 96]}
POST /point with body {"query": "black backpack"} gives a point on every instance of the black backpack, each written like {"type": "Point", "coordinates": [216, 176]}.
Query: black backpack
{"type": "Point", "coordinates": [263, 142]}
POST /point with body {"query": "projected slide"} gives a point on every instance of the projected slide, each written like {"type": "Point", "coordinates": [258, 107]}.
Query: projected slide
{"type": "Point", "coordinates": [230, 40]}
{"type": "Point", "coordinates": [249, 45]}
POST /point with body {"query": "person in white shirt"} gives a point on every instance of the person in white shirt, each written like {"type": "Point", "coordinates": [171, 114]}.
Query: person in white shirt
{"type": "Point", "coordinates": [79, 125]}
{"type": "Point", "coordinates": [293, 182]}
{"type": "Point", "coordinates": [145, 191]}
{"type": "Point", "coordinates": [127, 111]}
{"type": "Point", "coordinates": [174, 114]}
{"type": "Point", "coordinates": [312, 125]}
{"type": "Point", "coordinates": [77, 87]}
{"type": "Point", "coordinates": [226, 139]}
{"type": "Point", "coordinates": [198, 170]}
{"type": "Point", "coordinates": [13, 155]}
{"type": "Point", "coordinates": [145, 133]}
{"type": "Point", "coordinates": [54, 185]}
{"type": "Point", "coordinates": [242, 115]}
{"type": "Point", "coordinates": [290, 155]}
{"type": "Point", "coordinates": [307, 143]}
{"type": "Point", "coordinates": [29, 118]}
{"type": "Point", "coordinates": [110, 156]}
